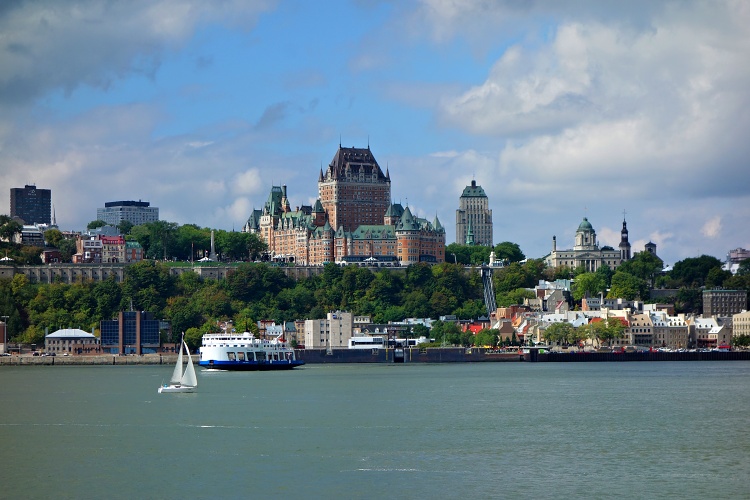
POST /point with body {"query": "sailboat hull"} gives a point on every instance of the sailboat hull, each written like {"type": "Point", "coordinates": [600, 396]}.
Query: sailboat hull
{"type": "Point", "coordinates": [175, 388]}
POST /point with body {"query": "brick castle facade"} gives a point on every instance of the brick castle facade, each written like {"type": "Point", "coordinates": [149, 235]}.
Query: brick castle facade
{"type": "Point", "coordinates": [352, 221]}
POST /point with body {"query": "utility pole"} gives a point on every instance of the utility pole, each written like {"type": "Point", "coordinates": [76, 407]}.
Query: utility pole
{"type": "Point", "coordinates": [5, 333]}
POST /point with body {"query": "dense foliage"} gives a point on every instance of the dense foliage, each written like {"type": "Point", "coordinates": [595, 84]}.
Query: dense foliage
{"type": "Point", "coordinates": [254, 291]}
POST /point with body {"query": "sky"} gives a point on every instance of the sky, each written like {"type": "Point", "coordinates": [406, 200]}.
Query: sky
{"type": "Point", "coordinates": [559, 110]}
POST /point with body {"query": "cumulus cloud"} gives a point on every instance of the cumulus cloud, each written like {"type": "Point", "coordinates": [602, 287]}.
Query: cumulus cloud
{"type": "Point", "coordinates": [95, 42]}
{"type": "Point", "coordinates": [557, 110]}
{"type": "Point", "coordinates": [712, 227]}
{"type": "Point", "coordinates": [247, 182]}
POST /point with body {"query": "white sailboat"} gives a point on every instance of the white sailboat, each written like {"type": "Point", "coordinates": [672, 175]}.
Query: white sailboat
{"type": "Point", "coordinates": [182, 381]}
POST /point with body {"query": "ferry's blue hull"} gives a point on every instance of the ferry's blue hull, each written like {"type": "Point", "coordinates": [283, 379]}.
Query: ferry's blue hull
{"type": "Point", "coordinates": [252, 365]}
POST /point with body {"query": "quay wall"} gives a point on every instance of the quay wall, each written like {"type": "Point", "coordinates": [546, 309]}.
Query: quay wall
{"type": "Point", "coordinates": [103, 359]}
{"type": "Point", "coordinates": [431, 355]}
{"type": "Point", "coordinates": [558, 357]}
{"type": "Point", "coordinates": [413, 355]}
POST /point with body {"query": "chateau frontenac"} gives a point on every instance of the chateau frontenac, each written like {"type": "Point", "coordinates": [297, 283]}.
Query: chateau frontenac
{"type": "Point", "coordinates": [352, 221]}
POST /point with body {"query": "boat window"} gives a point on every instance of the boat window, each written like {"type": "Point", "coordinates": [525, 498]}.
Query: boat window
{"type": "Point", "coordinates": [231, 356]}
{"type": "Point", "coordinates": [241, 356]}
{"type": "Point", "coordinates": [260, 356]}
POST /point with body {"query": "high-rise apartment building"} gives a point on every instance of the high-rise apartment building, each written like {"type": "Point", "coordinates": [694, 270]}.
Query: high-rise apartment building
{"type": "Point", "coordinates": [32, 205]}
{"type": "Point", "coordinates": [135, 212]}
{"type": "Point", "coordinates": [474, 217]}
{"type": "Point", "coordinates": [353, 190]}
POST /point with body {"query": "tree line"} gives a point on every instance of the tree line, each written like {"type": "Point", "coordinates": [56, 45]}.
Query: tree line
{"type": "Point", "coordinates": [255, 291]}
{"type": "Point", "coordinates": [160, 240]}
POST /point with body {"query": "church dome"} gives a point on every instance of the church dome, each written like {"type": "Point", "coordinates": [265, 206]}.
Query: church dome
{"type": "Point", "coordinates": [585, 225]}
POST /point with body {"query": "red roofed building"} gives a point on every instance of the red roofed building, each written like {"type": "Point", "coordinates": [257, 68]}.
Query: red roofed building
{"type": "Point", "coordinates": [113, 248]}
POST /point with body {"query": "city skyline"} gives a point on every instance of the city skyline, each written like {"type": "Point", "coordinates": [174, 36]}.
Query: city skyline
{"type": "Point", "coordinates": [558, 112]}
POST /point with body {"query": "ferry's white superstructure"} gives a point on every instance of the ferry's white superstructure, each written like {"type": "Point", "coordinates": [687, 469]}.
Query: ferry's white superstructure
{"type": "Point", "coordinates": [243, 351]}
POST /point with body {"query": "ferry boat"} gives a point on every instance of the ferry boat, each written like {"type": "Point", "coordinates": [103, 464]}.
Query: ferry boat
{"type": "Point", "coordinates": [243, 351]}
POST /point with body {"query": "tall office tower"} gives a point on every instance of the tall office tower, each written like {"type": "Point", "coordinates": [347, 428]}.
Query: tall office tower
{"type": "Point", "coordinates": [474, 213]}
{"type": "Point", "coordinates": [32, 205]}
{"type": "Point", "coordinates": [353, 190]}
{"type": "Point", "coordinates": [135, 212]}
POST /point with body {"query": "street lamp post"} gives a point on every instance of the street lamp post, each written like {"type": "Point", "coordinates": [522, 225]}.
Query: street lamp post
{"type": "Point", "coordinates": [5, 333]}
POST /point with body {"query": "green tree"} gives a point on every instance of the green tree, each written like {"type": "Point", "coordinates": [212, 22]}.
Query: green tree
{"type": "Point", "coordinates": [692, 272]}
{"type": "Point", "coordinates": [627, 286]}
{"type": "Point", "coordinates": [67, 249]}
{"type": "Point", "coordinates": [53, 237]}
{"type": "Point", "coordinates": [577, 335]}
{"type": "Point", "coordinates": [458, 254]}
{"type": "Point", "coordinates": [108, 295]}
{"type": "Point", "coordinates": [420, 330]}
{"type": "Point", "coordinates": [183, 314]}
{"type": "Point", "coordinates": [605, 273]}
{"type": "Point", "coordinates": [30, 256]}
{"type": "Point", "coordinates": [744, 268]}
{"type": "Point", "coordinates": [147, 284]}
{"type": "Point", "coordinates": [644, 265]}
{"type": "Point", "coordinates": [509, 252]}
{"type": "Point", "coordinates": [689, 300]}
{"type": "Point", "coordinates": [558, 332]}
{"type": "Point", "coordinates": [608, 329]}
{"type": "Point", "coordinates": [124, 227]}
{"type": "Point", "coordinates": [486, 337]}
{"type": "Point", "coordinates": [243, 322]}
{"type": "Point", "coordinates": [9, 228]}
{"type": "Point", "coordinates": [232, 245]}
{"type": "Point", "coordinates": [716, 277]}
{"type": "Point", "coordinates": [95, 224]}
{"type": "Point", "coordinates": [514, 297]}
{"type": "Point", "coordinates": [588, 284]}
{"type": "Point", "coordinates": [193, 338]}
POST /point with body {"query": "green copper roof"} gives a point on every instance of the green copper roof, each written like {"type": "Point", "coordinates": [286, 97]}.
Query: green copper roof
{"type": "Point", "coordinates": [473, 191]}
{"type": "Point", "coordinates": [407, 222]}
{"type": "Point", "coordinates": [365, 232]}
{"type": "Point", "coordinates": [585, 225]}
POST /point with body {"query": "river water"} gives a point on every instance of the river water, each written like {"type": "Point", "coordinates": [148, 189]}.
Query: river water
{"type": "Point", "coordinates": [489, 430]}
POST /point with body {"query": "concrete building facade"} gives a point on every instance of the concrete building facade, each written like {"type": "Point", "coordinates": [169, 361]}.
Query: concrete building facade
{"type": "Point", "coordinates": [741, 324]}
{"type": "Point", "coordinates": [474, 217]}
{"type": "Point", "coordinates": [135, 212]}
{"type": "Point", "coordinates": [333, 332]}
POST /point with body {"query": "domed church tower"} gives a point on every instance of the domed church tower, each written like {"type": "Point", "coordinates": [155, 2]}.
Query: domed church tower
{"type": "Point", "coordinates": [585, 236]}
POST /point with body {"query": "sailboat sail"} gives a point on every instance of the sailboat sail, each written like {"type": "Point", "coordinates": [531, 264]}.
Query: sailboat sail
{"type": "Point", "coordinates": [189, 378]}
{"type": "Point", "coordinates": [182, 381]}
{"type": "Point", "coordinates": [177, 373]}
